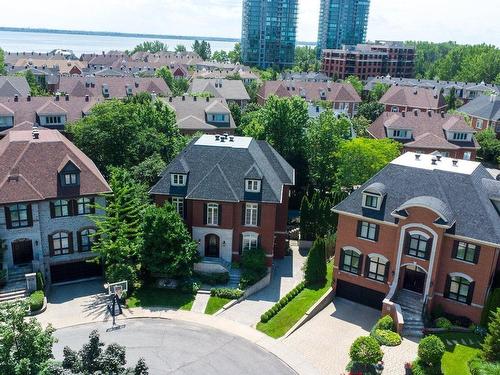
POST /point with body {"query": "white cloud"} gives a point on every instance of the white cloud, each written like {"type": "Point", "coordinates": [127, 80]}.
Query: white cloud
{"type": "Point", "coordinates": [435, 20]}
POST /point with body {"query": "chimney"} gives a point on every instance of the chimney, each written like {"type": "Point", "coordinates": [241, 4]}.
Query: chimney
{"type": "Point", "coordinates": [415, 112]}
{"type": "Point", "coordinates": [86, 98]}
{"type": "Point", "coordinates": [493, 98]}
{"type": "Point", "coordinates": [317, 108]}
{"type": "Point", "coordinates": [35, 133]}
{"type": "Point", "coordinates": [417, 156]}
{"type": "Point", "coordinates": [16, 98]}
{"type": "Point", "coordinates": [57, 97]}
{"type": "Point", "coordinates": [438, 157]}
{"type": "Point", "coordinates": [434, 161]}
{"type": "Point", "coordinates": [429, 112]}
{"type": "Point", "coordinates": [403, 113]}
{"type": "Point", "coordinates": [442, 114]}
{"type": "Point", "coordinates": [455, 163]}
{"type": "Point", "coordinates": [194, 98]}
{"type": "Point", "coordinates": [170, 99]}
{"type": "Point", "coordinates": [183, 97]}
{"type": "Point", "coordinates": [66, 97]}
{"type": "Point", "coordinates": [207, 99]}
{"type": "Point", "coordinates": [28, 98]}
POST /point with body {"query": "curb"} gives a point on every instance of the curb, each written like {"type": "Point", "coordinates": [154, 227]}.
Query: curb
{"type": "Point", "coordinates": [38, 312]}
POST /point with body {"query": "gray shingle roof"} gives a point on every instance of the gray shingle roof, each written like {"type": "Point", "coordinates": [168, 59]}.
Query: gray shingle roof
{"type": "Point", "coordinates": [220, 88]}
{"type": "Point", "coordinates": [462, 198]}
{"type": "Point", "coordinates": [485, 107]}
{"type": "Point", "coordinates": [218, 171]}
{"type": "Point", "coordinates": [11, 86]}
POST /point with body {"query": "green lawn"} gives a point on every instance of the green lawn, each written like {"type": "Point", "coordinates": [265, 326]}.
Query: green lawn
{"type": "Point", "coordinates": [148, 296]}
{"type": "Point", "coordinates": [215, 304]}
{"type": "Point", "coordinates": [295, 309]}
{"type": "Point", "coordinates": [457, 355]}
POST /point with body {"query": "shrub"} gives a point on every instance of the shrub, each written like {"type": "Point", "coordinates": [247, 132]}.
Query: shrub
{"type": "Point", "coordinates": [365, 350]}
{"type": "Point", "coordinates": [253, 266]}
{"type": "Point", "coordinates": [36, 300]}
{"type": "Point", "coordinates": [386, 337]}
{"type": "Point", "coordinates": [226, 293]}
{"type": "Point", "coordinates": [385, 323]}
{"type": "Point", "coordinates": [215, 278]}
{"type": "Point", "coordinates": [189, 286]}
{"type": "Point", "coordinates": [40, 281]}
{"type": "Point", "coordinates": [478, 366]}
{"type": "Point", "coordinates": [492, 303]}
{"type": "Point", "coordinates": [491, 345]}
{"type": "Point", "coordinates": [3, 277]}
{"type": "Point", "coordinates": [419, 368]}
{"type": "Point", "coordinates": [264, 318]}
{"type": "Point", "coordinates": [430, 351]}
{"type": "Point", "coordinates": [443, 323]}
{"type": "Point", "coordinates": [315, 266]}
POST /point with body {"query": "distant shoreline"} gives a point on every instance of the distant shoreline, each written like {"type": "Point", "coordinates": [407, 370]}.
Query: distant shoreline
{"type": "Point", "coordinates": [127, 35]}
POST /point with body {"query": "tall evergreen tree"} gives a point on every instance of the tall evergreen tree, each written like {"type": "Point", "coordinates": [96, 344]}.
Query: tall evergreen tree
{"type": "Point", "coordinates": [315, 266]}
{"type": "Point", "coordinates": [491, 345]}
{"type": "Point", "coordinates": [305, 219]}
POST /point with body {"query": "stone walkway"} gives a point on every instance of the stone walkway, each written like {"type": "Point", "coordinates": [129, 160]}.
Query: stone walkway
{"type": "Point", "coordinates": [200, 302]}
{"type": "Point", "coordinates": [395, 357]}
{"type": "Point", "coordinates": [287, 273]}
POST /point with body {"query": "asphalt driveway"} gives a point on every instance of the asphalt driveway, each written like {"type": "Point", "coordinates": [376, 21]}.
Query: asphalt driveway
{"type": "Point", "coordinates": [178, 347]}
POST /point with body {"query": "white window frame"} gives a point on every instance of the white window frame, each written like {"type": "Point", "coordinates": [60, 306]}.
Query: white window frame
{"type": "Point", "coordinates": [70, 179]}
{"type": "Point", "coordinates": [178, 179]}
{"type": "Point", "coordinates": [479, 123]}
{"type": "Point", "coordinates": [252, 186]}
{"type": "Point", "coordinates": [467, 155]}
{"type": "Point", "coordinates": [251, 214]}
{"type": "Point", "coordinates": [61, 239]}
{"type": "Point", "coordinates": [368, 230]}
{"type": "Point", "coordinates": [178, 203]}
{"type": "Point", "coordinates": [378, 260]}
{"type": "Point", "coordinates": [250, 241]}
{"type": "Point", "coordinates": [87, 239]}
{"type": "Point", "coordinates": [213, 214]}
{"type": "Point", "coordinates": [394, 109]}
{"type": "Point", "coordinates": [460, 136]}
{"type": "Point", "coordinates": [379, 201]}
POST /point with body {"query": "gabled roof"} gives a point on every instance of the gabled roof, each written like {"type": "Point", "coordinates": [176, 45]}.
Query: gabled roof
{"type": "Point", "coordinates": [220, 88]}
{"type": "Point", "coordinates": [29, 167]}
{"type": "Point", "coordinates": [330, 91]}
{"type": "Point", "coordinates": [459, 194]}
{"type": "Point", "coordinates": [485, 107]}
{"type": "Point", "coordinates": [11, 86]}
{"type": "Point", "coordinates": [217, 170]}
{"type": "Point", "coordinates": [50, 108]}
{"type": "Point", "coordinates": [413, 97]}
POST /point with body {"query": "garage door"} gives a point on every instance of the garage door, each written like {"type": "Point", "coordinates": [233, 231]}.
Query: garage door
{"type": "Point", "coordinates": [60, 273]}
{"type": "Point", "coordinates": [359, 294]}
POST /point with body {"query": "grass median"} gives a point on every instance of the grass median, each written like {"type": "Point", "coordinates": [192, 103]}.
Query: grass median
{"type": "Point", "coordinates": [215, 304]}
{"type": "Point", "coordinates": [296, 308]}
{"type": "Point", "coordinates": [149, 296]}
{"type": "Point", "coordinates": [460, 348]}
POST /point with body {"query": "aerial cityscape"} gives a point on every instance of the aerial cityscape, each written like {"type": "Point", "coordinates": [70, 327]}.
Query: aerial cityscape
{"type": "Point", "coordinates": [250, 187]}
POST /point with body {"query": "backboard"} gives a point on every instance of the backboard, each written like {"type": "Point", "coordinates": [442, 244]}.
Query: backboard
{"type": "Point", "coordinates": [120, 288]}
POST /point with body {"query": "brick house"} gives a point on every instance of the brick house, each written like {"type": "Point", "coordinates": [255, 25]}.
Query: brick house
{"type": "Point", "coordinates": [422, 232]}
{"type": "Point", "coordinates": [342, 96]}
{"type": "Point", "coordinates": [403, 98]}
{"type": "Point", "coordinates": [448, 135]}
{"type": "Point", "coordinates": [48, 188]}
{"type": "Point", "coordinates": [232, 193]}
{"type": "Point", "coordinates": [484, 112]}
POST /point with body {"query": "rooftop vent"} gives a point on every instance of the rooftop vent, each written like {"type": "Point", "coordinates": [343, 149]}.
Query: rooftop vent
{"type": "Point", "coordinates": [403, 113]}
{"type": "Point", "coordinates": [417, 156]}
{"type": "Point", "coordinates": [438, 157]}
{"type": "Point", "coordinates": [16, 98]}
{"type": "Point", "coordinates": [66, 97]}
{"type": "Point", "coordinates": [28, 98]}
{"type": "Point", "coordinates": [434, 161]}
{"type": "Point", "coordinates": [231, 138]}
{"type": "Point", "coordinates": [35, 133]}
{"type": "Point", "coordinates": [217, 137]}
{"type": "Point", "coordinates": [86, 98]}
{"type": "Point", "coordinates": [455, 163]}
{"type": "Point", "coordinates": [415, 112]}
{"type": "Point", "coordinates": [429, 112]}
{"type": "Point", "coordinates": [442, 114]}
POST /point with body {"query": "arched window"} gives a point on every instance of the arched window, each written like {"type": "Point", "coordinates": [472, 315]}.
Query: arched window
{"type": "Point", "coordinates": [459, 288]}
{"type": "Point", "coordinates": [350, 261]}
{"type": "Point", "coordinates": [60, 243]}
{"type": "Point", "coordinates": [85, 206]}
{"type": "Point", "coordinates": [86, 239]}
{"type": "Point", "coordinates": [418, 246]}
{"type": "Point", "coordinates": [377, 268]}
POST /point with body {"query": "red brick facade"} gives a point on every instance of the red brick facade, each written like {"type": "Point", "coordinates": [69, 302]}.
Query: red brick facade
{"type": "Point", "coordinates": [392, 244]}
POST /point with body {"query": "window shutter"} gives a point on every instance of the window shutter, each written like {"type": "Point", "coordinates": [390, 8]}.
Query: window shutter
{"type": "Point", "coordinates": [377, 229]}
{"type": "Point", "coordinates": [70, 242]}
{"type": "Point", "coordinates": [476, 254]}
{"type": "Point", "coordinates": [259, 241]}
{"type": "Point", "coordinates": [446, 292]}
{"type": "Point", "coordinates": [367, 266]}
{"type": "Point", "coordinates": [51, 246]}
{"type": "Point", "coordinates": [406, 245]}
{"type": "Point", "coordinates": [205, 208]}
{"type": "Point", "coordinates": [92, 205]}
{"type": "Point", "coordinates": [428, 248]}
{"type": "Point", "coordinates": [79, 240]}
{"type": "Point", "coordinates": [241, 243]}
{"type": "Point", "coordinates": [386, 272]}
{"type": "Point", "coordinates": [219, 217]}
{"type": "Point", "coordinates": [341, 260]}
{"type": "Point", "coordinates": [470, 294]}
{"type": "Point", "coordinates": [358, 230]}
{"type": "Point", "coordinates": [259, 211]}
{"type": "Point", "coordinates": [30, 215]}
{"type": "Point", "coordinates": [8, 220]}
{"type": "Point", "coordinates": [454, 251]}
{"type": "Point", "coordinates": [360, 265]}
{"type": "Point", "coordinates": [52, 210]}
{"type": "Point", "coordinates": [243, 209]}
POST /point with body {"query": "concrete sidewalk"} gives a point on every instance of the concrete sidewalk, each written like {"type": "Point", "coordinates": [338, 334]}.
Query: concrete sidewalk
{"type": "Point", "coordinates": [287, 273]}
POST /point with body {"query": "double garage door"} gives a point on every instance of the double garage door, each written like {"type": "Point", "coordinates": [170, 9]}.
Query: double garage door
{"type": "Point", "coordinates": [60, 273]}
{"type": "Point", "coordinates": [359, 294]}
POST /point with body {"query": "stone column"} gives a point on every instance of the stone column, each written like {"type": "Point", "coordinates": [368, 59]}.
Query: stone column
{"type": "Point", "coordinates": [30, 282]}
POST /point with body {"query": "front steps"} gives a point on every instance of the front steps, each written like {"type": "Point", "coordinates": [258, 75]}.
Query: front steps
{"type": "Point", "coordinates": [411, 306]}
{"type": "Point", "coordinates": [16, 285]}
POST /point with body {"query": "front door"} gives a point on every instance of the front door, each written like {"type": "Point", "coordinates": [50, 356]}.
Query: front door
{"type": "Point", "coordinates": [212, 245]}
{"type": "Point", "coordinates": [414, 280]}
{"type": "Point", "coordinates": [22, 252]}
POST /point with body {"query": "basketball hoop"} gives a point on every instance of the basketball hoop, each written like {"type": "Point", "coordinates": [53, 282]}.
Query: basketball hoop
{"type": "Point", "coordinates": [119, 291]}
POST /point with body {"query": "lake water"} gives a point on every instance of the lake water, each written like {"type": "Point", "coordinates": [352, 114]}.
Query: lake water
{"type": "Point", "coordinates": [12, 41]}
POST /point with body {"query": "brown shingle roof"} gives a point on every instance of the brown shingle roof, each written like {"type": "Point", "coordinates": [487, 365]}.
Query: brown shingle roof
{"type": "Point", "coordinates": [28, 167]}
{"type": "Point", "coordinates": [311, 91]}
{"type": "Point", "coordinates": [428, 129]}
{"type": "Point", "coordinates": [413, 97]}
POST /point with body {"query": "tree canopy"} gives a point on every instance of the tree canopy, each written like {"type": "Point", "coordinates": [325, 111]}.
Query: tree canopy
{"type": "Point", "coordinates": [124, 133]}
{"type": "Point", "coordinates": [370, 110]}
{"type": "Point", "coordinates": [178, 86]}
{"type": "Point", "coordinates": [202, 49]}
{"type": "Point", "coordinates": [180, 48]}
{"type": "Point", "coordinates": [220, 56]}
{"type": "Point", "coordinates": [2, 62]}
{"type": "Point", "coordinates": [356, 83]}
{"type": "Point", "coordinates": [153, 47]}
{"type": "Point", "coordinates": [361, 158]}
{"type": "Point", "coordinates": [235, 54]}
{"type": "Point", "coordinates": [306, 59]}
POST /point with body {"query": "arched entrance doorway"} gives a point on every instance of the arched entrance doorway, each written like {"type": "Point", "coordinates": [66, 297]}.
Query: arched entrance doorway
{"type": "Point", "coordinates": [413, 278]}
{"type": "Point", "coordinates": [212, 243]}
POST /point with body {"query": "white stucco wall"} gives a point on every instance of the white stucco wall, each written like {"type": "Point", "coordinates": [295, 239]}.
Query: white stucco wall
{"type": "Point", "coordinates": [226, 240]}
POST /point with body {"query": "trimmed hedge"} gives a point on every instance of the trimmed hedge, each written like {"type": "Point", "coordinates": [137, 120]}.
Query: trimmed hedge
{"type": "Point", "coordinates": [40, 281]}
{"type": "Point", "coordinates": [264, 318]}
{"type": "Point", "coordinates": [430, 351]}
{"type": "Point", "coordinates": [385, 323]}
{"type": "Point", "coordinates": [478, 366]}
{"type": "Point", "coordinates": [226, 293]}
{"type": "Point", "coordinates": [215, 278]}
{"type": "Point", "coordinates": [443, 323]}
{"type": "Point", "coordinates": [36, 300]}
{"type": "Point", "coordinates": [386, 337]}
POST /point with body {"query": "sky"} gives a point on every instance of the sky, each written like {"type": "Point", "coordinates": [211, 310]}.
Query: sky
{"type": "Point", "coordinates": [464, 21]}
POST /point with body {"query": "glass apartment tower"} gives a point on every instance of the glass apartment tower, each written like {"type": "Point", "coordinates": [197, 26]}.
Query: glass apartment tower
{"type": "Point", "coordinates": [342, 22]}
{"type": "Point", "coordinates": [268, 32]}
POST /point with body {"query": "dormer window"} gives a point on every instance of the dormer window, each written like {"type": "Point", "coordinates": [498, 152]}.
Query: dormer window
{"type": "Point", "coordinates": [398, 133]}
{"type": "Point", "coordinates": [371, 201]}
{"type": "Point", "coordinates": [252, 186]}
{"type": "Point", "coordinates": [218, 117]}
{"type": "Point", "coordinates": [70, 179]}
{"type": "Point", "coordinates": [459, 136]}
{"type": "Point", "coordinates": [178, 179]}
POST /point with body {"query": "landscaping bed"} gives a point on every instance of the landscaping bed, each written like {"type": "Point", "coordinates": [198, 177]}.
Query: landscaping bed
{"type": "Point", "coordinates": [149, 296]}
{"type": "Point", "coordinates": [215, 304]}
{"type": "Point", "coordinates": [295, 309]}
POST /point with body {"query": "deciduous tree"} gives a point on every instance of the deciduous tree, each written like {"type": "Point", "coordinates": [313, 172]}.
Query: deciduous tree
{"type": "Point", "coordinates": [356, 83]}
{"type": "Point", "coordinates": [370, 110]}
